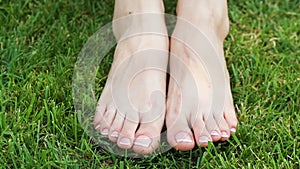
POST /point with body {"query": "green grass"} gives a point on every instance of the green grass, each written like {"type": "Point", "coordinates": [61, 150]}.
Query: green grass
{"type": "Point", "coordinates": [39, 44]}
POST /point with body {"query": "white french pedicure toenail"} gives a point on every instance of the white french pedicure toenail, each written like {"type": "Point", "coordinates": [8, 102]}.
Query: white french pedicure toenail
{"type": "Point", "coordinates": [224, 134]}
{"type": "Point", "coordinates": [125, 141]}
{"type": "Point", "coordinates": [114, 134]}
{"type": "Point", "coordinates": [97, 127]}
{"type": "Point", "coordinates": [143, 141]}
{"type": "Point", "coordinates": [233, 130]}
{"type": "Point", "coordinates": [214, 133]}
{"type": "Point", "coordinates": [204, 139]}
{"type": "Point", "coordinates": [104, 132]}
{"type": "Point", "coordinates": [183, 138]}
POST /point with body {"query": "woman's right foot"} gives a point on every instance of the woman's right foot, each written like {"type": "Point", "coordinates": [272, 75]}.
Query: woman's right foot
{"type": "Point", "coordinates": [131, 108]}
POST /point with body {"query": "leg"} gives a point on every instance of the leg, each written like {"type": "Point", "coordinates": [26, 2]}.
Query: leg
{"type": "Point", "coordinates": [199, 105]}
{"type": "Point", "coordinates": [127, 112]}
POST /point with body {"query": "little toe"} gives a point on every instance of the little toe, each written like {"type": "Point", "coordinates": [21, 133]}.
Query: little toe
{"type": "Point", "coordinates": [100, 110]}
{"type": "Point", "coordinates": [231, 119]}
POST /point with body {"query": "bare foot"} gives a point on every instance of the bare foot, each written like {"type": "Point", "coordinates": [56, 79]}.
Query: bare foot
{"type": "Point", "coordinates": [131, 108]}
{"type": "Point", "coordinates": [199, 105]}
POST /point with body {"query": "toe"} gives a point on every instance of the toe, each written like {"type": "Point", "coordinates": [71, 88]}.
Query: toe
{"type": "Point", "coordinates": [202, 136]}
{"type": "Point", "coordinates": [116, 127]}
{"type": "Point", "coordinates": [203, 139]}
{"type": "Point", "coordinates": [147, 137]}
{"type": "Point", "coordinates": [126, 136]}
{"type": "Point", "coordinates": [223, 126]}
{"type": "Point", "coordinates": [143, 144]}
{"type": "Point", "coordinates": [180, 136]}
{"type": "Point", "coordinates": [230, 117]}
{"type": "Point", "coordinates": [212, 128]}
{"type": "Point", "coordinates": [184, 140]}
{"type": "Point", "coordinates": [107, 120]}
{"type": "Point", "coordinates": [100, 110]}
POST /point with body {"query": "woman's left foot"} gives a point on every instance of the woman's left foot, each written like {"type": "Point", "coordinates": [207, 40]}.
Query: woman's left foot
{"type": "Point", "coordinates": [199, 105]}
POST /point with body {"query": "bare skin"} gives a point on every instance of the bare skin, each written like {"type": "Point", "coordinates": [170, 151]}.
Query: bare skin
{"type": "Point", "coordinates": [131, 110]}
{"type": "Point", "coordinates": [192, 118]}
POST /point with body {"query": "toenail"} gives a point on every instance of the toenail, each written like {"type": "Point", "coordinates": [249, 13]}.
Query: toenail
{"type": "Point", "coordinates": [114, 134]}
{"type": "Point", "coordinates": [183, 138]}
{"type": "Point", "coordinates": [143, 141]}
{"type": "Point", "coordinates": [204, 139]}
{"type": "Point", "coordinates": [233, 130]}
{"type": "Point", "coordinates": [224, 134]}
{"type": "Point", "coordinates": [104, 132]}
{"type": "Point", "coordinates": [214, 133]}
{"type": "Point", "coordinates": [125, 141]}
{"type": "Point", "coordinates": [97, 127]}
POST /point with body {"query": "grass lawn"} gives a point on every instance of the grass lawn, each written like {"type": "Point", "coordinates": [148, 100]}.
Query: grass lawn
{"type": "Point", "coordinates": [39, 45]}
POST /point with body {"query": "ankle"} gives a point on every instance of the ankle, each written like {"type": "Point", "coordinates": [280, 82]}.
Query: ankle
{"type": "Point", "coordinates": [208, 16]}
{"type": "Point", "coordinates": [128, 7]}
{"type": "Point", "coordinates": [136, 17]}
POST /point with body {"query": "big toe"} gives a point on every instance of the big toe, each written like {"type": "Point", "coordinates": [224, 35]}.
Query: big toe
{"type": "Point", "coordinates": [147, 139]}
{"type": "Point", "coordinates": [180, 136]}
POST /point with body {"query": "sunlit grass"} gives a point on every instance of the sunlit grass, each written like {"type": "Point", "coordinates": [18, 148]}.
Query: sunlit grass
{"type": "Point", "coordinates": [39, 44]}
